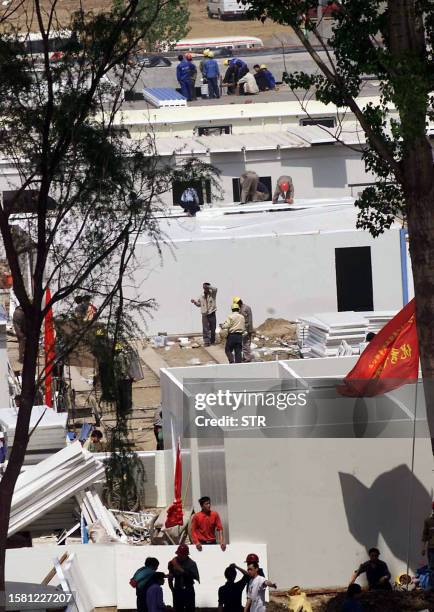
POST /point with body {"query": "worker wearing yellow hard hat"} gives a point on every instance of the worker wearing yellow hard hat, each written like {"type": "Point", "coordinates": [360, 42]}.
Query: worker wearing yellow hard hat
{"type": "Point", "coordinates": [263, 67]}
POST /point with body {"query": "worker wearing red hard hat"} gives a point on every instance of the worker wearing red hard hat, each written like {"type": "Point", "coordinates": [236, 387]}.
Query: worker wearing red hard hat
{"type": "Point", "coordinates": [183, 573]}
{"type": "Point", "coordinates": [284, 189]}
{"type": "Point", "coordinates": [428, 544]}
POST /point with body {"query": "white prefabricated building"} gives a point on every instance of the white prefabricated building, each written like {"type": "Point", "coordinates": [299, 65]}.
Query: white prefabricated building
{"type": "Point", "coordinates": [335, 478]}
{"type": "Point", "coordinates": [283, 261]}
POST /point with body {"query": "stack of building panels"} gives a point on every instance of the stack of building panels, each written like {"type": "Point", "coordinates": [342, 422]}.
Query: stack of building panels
{"type": "Point", "coordinates": [378, 319]}
{"type": "Point", "coordinates": [94, 511]}
{"type": "Point", "coordinates": [46, 485]}
{"type": "Point", "coordinates": [163, 96]}
{"type": "Point", "coordinates": [48, 437]}
{"type": "Point", "coordinates": [327, 331]}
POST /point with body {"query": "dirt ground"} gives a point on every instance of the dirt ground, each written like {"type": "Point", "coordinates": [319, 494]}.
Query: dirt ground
{"type": "Point", "coordinates": [200, 24]}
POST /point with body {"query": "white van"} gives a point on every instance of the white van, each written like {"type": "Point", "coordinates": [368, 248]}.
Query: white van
{"type": "Point", "coordinates": [226, 8]}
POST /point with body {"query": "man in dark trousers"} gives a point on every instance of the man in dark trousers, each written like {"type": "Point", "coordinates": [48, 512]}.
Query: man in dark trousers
{"type": "Point", "coordinates": [377, 572]}
{"type": "Point", "coordinates": [182, 574]}
{"type": "Point", "coordinates": [19, 323]}
{"type": "Point", "coordinates": [428, 545]}
{"type": "Point", "coordinates": [208, 307]}
{"type": "Point", "coordinates": [206, 526]}
{"type": "Point", "coordinates": [235, 326]}
{"type": "Point", "coordinates": [142, 580]}
{"type": "Point", "coordinates": [229, 595]}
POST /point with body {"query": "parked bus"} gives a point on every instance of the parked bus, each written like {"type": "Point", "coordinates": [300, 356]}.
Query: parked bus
{"type": "Point", "coordinates": [33, 44]}
{"type": "Point", "coordinates": [226, 8]}
{"type": "Point", "coordinates": [220, 42]}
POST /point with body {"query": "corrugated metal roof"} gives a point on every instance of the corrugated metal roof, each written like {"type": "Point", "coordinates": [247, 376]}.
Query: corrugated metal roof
{"type": "Point", "coordinates": [292, 138]}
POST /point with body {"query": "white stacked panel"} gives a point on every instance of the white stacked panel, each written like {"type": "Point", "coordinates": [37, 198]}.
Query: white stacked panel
{"type": "Point", "coordinates": [52, 481]}
{"type": "Point", "coordinates": [48, 431]}
{"type": "Point", "coordinates": [327, 331]}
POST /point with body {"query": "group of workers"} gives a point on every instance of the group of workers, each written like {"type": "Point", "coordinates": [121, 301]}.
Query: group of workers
{"type": "Point", "coordinates": [253, 190]}
{"type": "Point", "coordinates": [206, 530]}
{"type": "Point", "coordinates": [237, 76]}
{"type": "Point", "coordinates": [238, 326]}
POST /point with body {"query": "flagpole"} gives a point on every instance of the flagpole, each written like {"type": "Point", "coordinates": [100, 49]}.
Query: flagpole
{"type": "Point", "coordinates": [413, 448]}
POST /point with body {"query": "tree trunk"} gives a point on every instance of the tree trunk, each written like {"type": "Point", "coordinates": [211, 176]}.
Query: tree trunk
{"type": "Point", "coordinates": [21, 438]}
{"type": "Point", "coordinates": [421, 235]}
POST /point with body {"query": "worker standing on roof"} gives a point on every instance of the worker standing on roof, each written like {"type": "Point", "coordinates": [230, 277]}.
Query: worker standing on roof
{"type": "Point", "coordinates": [208, 307]}
{"type": "Point", "coordinates": [235, 327]}
{"type": "Point", "coordinates": [284, 189]}
{"type": "Point", "coordinates": [193, 74]}
{"type": "Point", "coordinates": [246, 311]}
{"type": "Point", "coordinates": [183, 74]}
{"type": "Point", "coordinates": [212, 73]}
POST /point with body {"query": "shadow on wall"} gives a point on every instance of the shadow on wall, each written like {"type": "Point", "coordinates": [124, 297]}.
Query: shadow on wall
{"type": "Point", "coordinates": [384, 508]}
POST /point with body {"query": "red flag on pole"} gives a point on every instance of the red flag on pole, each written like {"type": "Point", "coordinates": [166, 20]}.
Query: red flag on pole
{"type": "Point", "coordinates": [174, 513]}
{"type": "Point", "coordinates": [390, 360]}
{"type": "Point", "coordinates": [50, 354]}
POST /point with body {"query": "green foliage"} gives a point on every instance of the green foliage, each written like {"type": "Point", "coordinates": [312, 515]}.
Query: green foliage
{"type": "Point", "coordinates": [367, 41]}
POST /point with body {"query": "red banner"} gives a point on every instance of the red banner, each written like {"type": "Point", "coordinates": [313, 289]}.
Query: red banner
{"type": "Point", "coordinates": [174, 513]}
{"type": "Point", "coordinates": [390, 360]}
{"type": "Point", "coordinates": [50, 354]}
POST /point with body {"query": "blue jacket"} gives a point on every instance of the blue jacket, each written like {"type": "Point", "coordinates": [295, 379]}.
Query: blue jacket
{"type": "Point", "coordinates": [240, 63]}
{"type": "Point", "coordinates": [271, 81]}
{"type": "Point", "coordinates": [183, 71]}
{"type": "Point", "coordinates": [211, 69]}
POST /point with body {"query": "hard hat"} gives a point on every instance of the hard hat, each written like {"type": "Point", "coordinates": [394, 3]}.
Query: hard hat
{"type": "Point", "coordinates": [236, 299]}
{"type": "Point", "coordinates": [262, 66]}
{"type": "Point", "coordinates": [183, 550]}
{"type": "Point", "coordinates": [188, 56]}
{"type": "Point", "coordinates": [210, 54]}
{"type": "Point", "coordinates": [284, 186]}
{"type": "Point", "coordinates": [205, 52]}
{"type": "Point", "coordinates": [226, 62]}
{"type": "Point", "coordinates": [252, 558]}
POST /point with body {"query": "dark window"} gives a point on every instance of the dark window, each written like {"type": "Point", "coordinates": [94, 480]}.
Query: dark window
{"type": "Point", "coordinates": [25, 202]}
{"type": "Point", "coordinates": [203, 189]}
{"type": "Point", "coordinates": [266, 180]}
{"type": "Point", "coordinates": [214, 130]}
{"type": "Point", "coordinates": [325, 121]}
{"type": "Point", "coordinates": [354, 279]}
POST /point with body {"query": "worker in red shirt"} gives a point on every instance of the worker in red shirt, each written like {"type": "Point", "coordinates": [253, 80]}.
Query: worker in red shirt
{"type": "Point", "coordinates": [206, 526]}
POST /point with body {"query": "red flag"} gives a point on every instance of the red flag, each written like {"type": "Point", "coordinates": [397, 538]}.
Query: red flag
{"type": "Point", "coordinates": [174, 512]}
{"type": "Point", "coordinates": [390, 360]}
{"type": "Point", "coordinates": [50, 354]}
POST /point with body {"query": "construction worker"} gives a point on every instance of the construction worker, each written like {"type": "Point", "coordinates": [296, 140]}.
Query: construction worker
{"type": "Point", "coordinates": [193, 74]}
{"type": "Point", "coordinates": [246, 311]}
{"type": "Point", "coordinates": [260, 79]}
{"type": "Point", "coordinates": [271, 81]}
{"type": "Point", "coordinates": [208, 307]}
{"type": "Point", "coordinates": [235, 325]}
{"type": "Point", "coordinates": [183, 573]}
{"type": "Point", "coordinates": [229, 79]}
{"type": "Point", "coordinates": [428, 544]}
{"type": "Point", "coordinates": [284, 189]}
{"type": "Point", "coordinates": [250, 192]}
{"type": "Point", "coordinates": [377, 572]}
{"type": "Point", "coordinates": [212, 73]}
{"type": "Point", "coordinates": [206, 526]}
{"type": "Point", "coordinates": [203, 60]}
{"type": "Point", "coordinates": [247, 85]}
{"type": "Point", "coordinates": [184, 74]}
